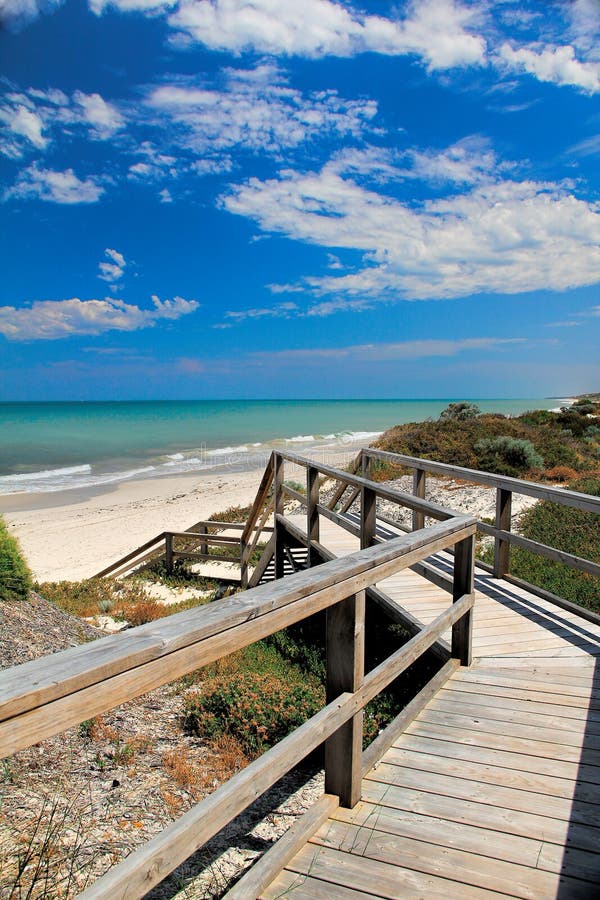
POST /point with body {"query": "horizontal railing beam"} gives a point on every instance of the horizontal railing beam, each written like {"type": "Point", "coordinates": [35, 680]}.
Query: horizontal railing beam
{"type": "Point", "coordinates": [569, 559]}
{"type": "Point", "coordinates": [206, 538]}
{"type": "Point", "coordinates": [563, 496]}
{"type": "Point", "coordinates": [433, 510]}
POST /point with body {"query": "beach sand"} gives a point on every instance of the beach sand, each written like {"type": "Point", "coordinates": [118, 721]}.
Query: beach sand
{"type": "Point", "coordinates": [69, 535]}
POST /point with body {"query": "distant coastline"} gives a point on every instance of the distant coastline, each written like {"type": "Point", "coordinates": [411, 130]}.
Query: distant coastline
{"type": "Point", "coordinates": [49, 447]}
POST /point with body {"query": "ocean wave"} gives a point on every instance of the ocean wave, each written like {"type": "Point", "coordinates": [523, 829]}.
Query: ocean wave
{"type": "Point", "coordinates": [45, 474]}
{"type": "Point", "coordinates": [49, 480]}
{"type": "Point", "coordinates": [179, 462]}
{"type": "Point", "coordinates": [224, 451]}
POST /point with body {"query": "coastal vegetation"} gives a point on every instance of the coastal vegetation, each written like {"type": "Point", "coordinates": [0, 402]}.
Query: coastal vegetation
{"type": "Point", "coordinates": [15, 577]}
{"type": "Point", "coordinates": [531, 445]}
{"type": "Point", "coordinates": [560, 447]}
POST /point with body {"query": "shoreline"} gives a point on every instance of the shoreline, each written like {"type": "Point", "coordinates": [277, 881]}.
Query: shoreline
{"type": "Point", "coordinates": [66, 538]}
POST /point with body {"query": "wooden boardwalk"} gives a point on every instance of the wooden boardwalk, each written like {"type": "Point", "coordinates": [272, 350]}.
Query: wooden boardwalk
{"type": "Point", "coordinates": [494, 789]}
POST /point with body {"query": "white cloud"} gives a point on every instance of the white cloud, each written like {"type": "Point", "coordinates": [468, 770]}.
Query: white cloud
{"type": "Point", "coordinates": [29, 118]}
{"type": "Point", "coordinates": [588, 147]}
{"type": "Point", "coordinates": [55, 187]}
{"type": "Point", "coordinates": [437, 31]}
{"type": "Point", "coordinates": [18, 13]}
{"type": "Point", "coordinates": [151, 6]}
{"type": "Point", "coordinates": [53, 319]}
{"type": "Point", "coordinates": [112, 272]}
{"type": "Point", "coordinates": [384, 352]}
{"type": "Point", "coordinates": [22, 122]}
{"type": "Point", "coordinates": [255, 109]}
{"type": "Point", "coordinates": [279, 311]}
{"type": "Point", "coordinates": [103, 117]}
{"type": "Point", "coordinates": [558, 65]}
{"type": "Point", "coordinates": [505, 237]}
{"type": "Point", "coordinates": [467, 162]}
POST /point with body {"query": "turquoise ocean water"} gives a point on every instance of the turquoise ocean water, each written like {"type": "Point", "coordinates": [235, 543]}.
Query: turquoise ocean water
{"type": "Point", "coordinates": [54, 446]}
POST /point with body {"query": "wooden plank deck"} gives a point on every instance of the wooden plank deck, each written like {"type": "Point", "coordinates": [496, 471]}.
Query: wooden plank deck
{"type": "Point", "coordinates": [494, 789]}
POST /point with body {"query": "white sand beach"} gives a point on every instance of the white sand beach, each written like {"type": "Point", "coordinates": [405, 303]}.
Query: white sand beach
{"type": "Point", "coordinates": [69, 535]}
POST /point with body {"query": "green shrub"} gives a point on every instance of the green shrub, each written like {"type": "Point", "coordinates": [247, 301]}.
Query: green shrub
{"type": "Point", "coordinates": [576, 532]}
{"type": "Point", "coordinates": [259, 709]}
{"type": "Point", "coordinates": [15, 577]}
{"type": "Point", "coordinates": [459, 412]}
{"type": "Point", "coordinates": [507, 455]}
{"type": "Point", "coordinates": [453, 441]}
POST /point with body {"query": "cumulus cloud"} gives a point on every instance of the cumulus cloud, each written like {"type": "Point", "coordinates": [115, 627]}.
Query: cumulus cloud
{"type": "Point", "coordinates": [555, 64]}
{"type": "Point", "coordinates": [55, 187]}
{"type": "Point", "coordinates": [103, 117]}
{"type": "Point", "coordinates": [436, 31]}
{"type": "Point", "coordinates": [253, 108]}
{"type": "Point", "coordinates": [53, 319]}
{"type": "Point", "coordinates": [30, 117]}
{"type": "Point", "coordinates": [21, 122]}
{"type": "Point", "coordinates": [112, 270]}
{"type": "Point", "coordinates": [151, 6]}
{"type": "Point", "coordinates": [15, 14]}
{"type": "Point", "coordinates": [502, 237]}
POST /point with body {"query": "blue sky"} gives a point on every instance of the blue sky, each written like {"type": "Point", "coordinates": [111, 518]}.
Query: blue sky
{"type": "Point", "coordinates": [264, 198]}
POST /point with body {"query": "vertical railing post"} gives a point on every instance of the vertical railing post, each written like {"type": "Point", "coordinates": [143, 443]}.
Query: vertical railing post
{"type": "Point", "coordinates": [278, 511]}
{"type": "Point", "coordinates": [418, 517]}
{"type": "Point", "coordinates": [365, 465]}
{"type": "Point", "coordinates": [243, 563]}
{"type": "Point", "coordinates": [464, 560]}
{"type": "Point", "coordinates": [169, 553]}
{"type": "Point", "coordinates": [203, 544]}
{"type": "Point", "coordinates": [312, 513]}
{"type": "Point", "coordinates": [368, 507]}
{"type": "Point", "coordinates": [345, 672]}
{"type": "Point", "coordinates": [503, 522]}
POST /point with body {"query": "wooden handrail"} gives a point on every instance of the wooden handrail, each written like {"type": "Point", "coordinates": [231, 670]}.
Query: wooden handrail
{"type": "Point", "coordinates": [430, 509]}
{"type": "Point", "coordinates": [147, 866]}
{"type": "Point", "coordinates": [259, 501]}
{"type": "Point", "coordinates": [47, 695]}
{"type": "Point", "coordinates": [563, 496]}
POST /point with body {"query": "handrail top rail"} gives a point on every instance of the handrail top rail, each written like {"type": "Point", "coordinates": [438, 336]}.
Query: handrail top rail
{"type": "Point", "coordinates": [259, 500]}
{"type": "Point", "coordinates": [39, 681]}
{"type": "Point", "coordinates": [576, 499]}
{"type": "Point", "coordinates": [428, 507]}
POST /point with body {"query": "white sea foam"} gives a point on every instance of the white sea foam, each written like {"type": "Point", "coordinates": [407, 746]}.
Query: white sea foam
{"type": "Point", "coordinates": [45, 475]}
{"type": "Point", "coordinates": [224, 451]}
{"type": "Point", "coordinates": [198, 459]}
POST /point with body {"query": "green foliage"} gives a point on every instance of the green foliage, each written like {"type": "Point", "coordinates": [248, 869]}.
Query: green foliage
{"type": "Point", "coordinates": [259, 709]}
{"type": "Point", "coordinates": [507, 455]}
{"type": "Point", "coordinates": [15, 577]}
{"type": "Point", "coordinates": [454, 441]}
{"type": "Point", "coordinates": [460, 412]}
{"type": "Point", "coordinates": [575, 532]}
{"type": "Point", "coordinates": [231, 514]}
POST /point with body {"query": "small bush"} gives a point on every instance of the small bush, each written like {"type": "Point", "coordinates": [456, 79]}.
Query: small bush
{"type": "Point", "coordinates": [257, 709]}
{"type": "Point", "coordinates": [508, 456]}
{"type": "Point", "coordinates": [460, 412]}
{"type": "Point", "coordinates": [15, 577]}
{"type": "Point", "coordinates": [575, 531]}
{"type": "Point", "coordinates": [560, 473]}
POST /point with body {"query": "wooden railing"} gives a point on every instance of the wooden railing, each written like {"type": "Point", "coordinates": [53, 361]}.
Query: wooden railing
{"type": "Point", "coordinates": [199, 543]}
{"type": "Point", "coordinates": [501, 531]}
{"type": "Point", "coordinates": [256, 523]}
{"type": "Point", "coordinates": [43, 697]}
